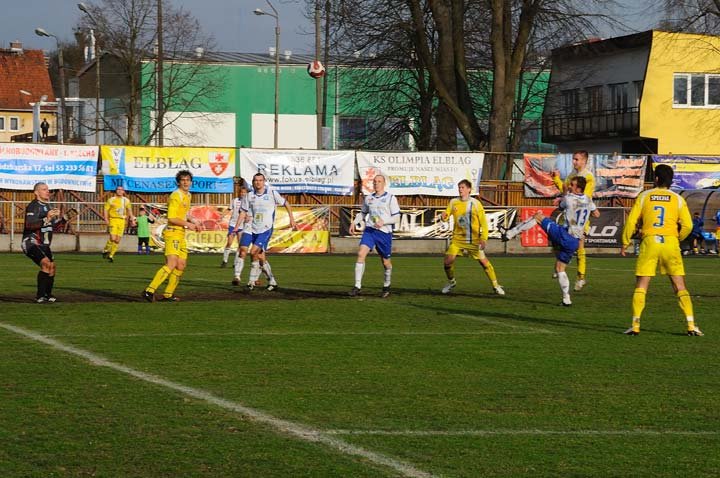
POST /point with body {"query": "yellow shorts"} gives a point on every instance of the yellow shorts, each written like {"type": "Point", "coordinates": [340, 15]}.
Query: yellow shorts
{"type": "Point", "coordinates": [116, 227]}
{"type": "Point", "coordinates": [175, 244]}
{"type": "Point", "coordinates": [464, 249]}
{"type": "Point", "coordinates": [663, 251]}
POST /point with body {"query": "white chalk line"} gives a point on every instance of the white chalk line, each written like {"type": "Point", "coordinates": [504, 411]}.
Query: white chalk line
{"type": "Point", "coordinates": [510, 432]}
{"type": "Point", "coordinates": [297, 430]}
{"type": "Point", "coordinates": [295, 334]}
{"type": "Point", "coordinates": [485, 320]}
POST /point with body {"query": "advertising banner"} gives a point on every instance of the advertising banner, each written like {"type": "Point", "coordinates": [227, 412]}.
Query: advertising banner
{"type": "Point", "coordinates": [312, 234]}
{"type": "Point", "coordinates": [424, 173]}
{"type": "Point", "coordinates": [68, 167]}
{"type": "Point", "coordinates": [606, 230]}
{"type": "Point", "coordinates": [311, 171]}
{"type": "Point", "coordinates": [424, 223]}
{"type": "Point", "coordinates": [692, 172]}
{"type": "Point", "coordinates": [153, 169]}
{"type": "Point", "coordinates": [615, 176]}
{"type": "Point", "coordinates": [619, 176]}
{"type": "Point", "coordinates": [534, 237]}
{"type": "Point", "coordinates": [538, 175]}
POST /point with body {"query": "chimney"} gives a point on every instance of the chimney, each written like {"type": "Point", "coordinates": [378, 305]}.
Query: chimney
{"type": "Point", "coordinates": [288, 54]}
{"type": "Point", "coordinates": [16, 46]}
{"type": "Point", "coordinates": [271, 51]}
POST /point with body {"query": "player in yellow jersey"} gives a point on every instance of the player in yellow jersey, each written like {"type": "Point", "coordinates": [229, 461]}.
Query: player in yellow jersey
{"type": "Point", "coordinates": [579, 161]}
{"type": "Point", "coordinates": [117, 209]}
{"type": "Point", "coordinates": [470, 233]}
{"type": "Point", "coordinates": [174, 236]}
{"type": "Point", "coordinates": [664, 221]}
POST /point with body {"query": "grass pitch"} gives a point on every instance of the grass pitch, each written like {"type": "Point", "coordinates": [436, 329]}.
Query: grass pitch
{"type": "Point", "coordinates": [308, 382]}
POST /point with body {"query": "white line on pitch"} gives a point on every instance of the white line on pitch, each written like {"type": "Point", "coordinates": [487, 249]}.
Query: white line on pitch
{"type": "Point", "coordinates": [297, 430]}
{"type": "Point", "coordinates": [505, 432]}
{"type": "Point", "coordinates": [485, 320]}
{"type": "Point", "coordinates": [309, 334]}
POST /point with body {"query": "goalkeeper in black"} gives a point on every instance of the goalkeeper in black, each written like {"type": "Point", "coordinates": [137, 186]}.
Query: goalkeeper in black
{"type": "Point", "coordinates": [40, 218]}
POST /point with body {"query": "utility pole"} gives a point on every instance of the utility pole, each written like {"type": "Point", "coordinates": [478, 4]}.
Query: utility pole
{"type": "Point", "coordinates": [159, 81]}
{"type": "Point", "coordinates": [319, 80]}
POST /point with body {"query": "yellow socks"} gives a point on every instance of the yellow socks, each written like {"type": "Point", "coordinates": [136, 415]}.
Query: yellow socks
{"type": "Point", "coordinates": [686, 306]}
{"type": "Point", "coordinates": [159, 278]}
{"type": "Point", "coordinates": [638, 304]}
{"type": "Point", "coordinates": [172, 283]}
{"type": "Point", "coordinates": [582, 263]}
{"type": "Point", "coordinates": [490, 272]}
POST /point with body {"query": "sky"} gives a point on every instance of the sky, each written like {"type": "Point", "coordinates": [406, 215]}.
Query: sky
{"type": "Point", "coordinates": [231, 22]}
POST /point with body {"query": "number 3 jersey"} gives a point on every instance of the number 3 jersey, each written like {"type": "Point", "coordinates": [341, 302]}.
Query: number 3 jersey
{"type": "Point", "coordinates": [577, 209]}
{"type": "Point", "coordinates": [659, 211]}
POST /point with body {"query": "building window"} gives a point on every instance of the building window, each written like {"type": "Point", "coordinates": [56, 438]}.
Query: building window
{"type": "Point", "coordinates": [697, 90]}
{"type": "Point", "coordinates": [14, 123]}
{"type": "Point", "coordinates": [594, 99]}
{"type": "Point", "coordinates": [638, 85]}
{"type": "Point", "coordinates": [571, 101]}
{"type": "Point", "coordinates": [619, 97]}
{"type": "Point", "coordinates": [352, 129]}
{"type": "Point", "coordinates": [2, 123]}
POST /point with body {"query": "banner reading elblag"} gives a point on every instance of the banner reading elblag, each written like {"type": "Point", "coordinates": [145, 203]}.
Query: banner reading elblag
{"type": "Point", "coordinates": [60, 166]}
{"type": "Point", "coordinates": [153, 169]}
{"type": "Point", "coordinates": [301, 171]}
{"type": "Point", "coordinates": [430, 174]}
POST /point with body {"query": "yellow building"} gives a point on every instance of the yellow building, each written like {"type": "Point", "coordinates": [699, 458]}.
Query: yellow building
{"type": "Point", "coordinates": [651, 92]}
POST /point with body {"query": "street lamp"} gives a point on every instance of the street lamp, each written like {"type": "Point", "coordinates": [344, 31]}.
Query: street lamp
{"type": "Point", "coordinates": [63, 117]}
{"type": "Point", "coordinates": [84, 8]}
{"type": "Point", "coordinates": [275, 15]}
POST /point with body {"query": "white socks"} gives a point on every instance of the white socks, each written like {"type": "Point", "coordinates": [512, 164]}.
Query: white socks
{"type": "Point", "coordinates": [527, 224]}
{"type": "Point", "coordinates": [359, 271]}
{"type": "Point", "coordinates": [239, 264]}
{"type": "Point", "coordinates": [564, 283]}
{"type": "Point", "coordinates": [226, 253]}
{"type": "Point", "coordinates": [388, 276]}
{"type": "Point", "coordinates": [268, 271]}
{"type": "Point", "coordinates": [254, 272]}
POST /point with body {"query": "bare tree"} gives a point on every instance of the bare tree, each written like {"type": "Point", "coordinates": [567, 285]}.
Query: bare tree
{"type": "Point", "coordinates": [127, 31]}
{"type": "Point", "coordinates": [695, 16]}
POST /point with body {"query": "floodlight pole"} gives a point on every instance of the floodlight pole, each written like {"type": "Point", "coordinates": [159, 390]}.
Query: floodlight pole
{"type": "Point", "coordinates": [276, 16]}
{"type": "Point", "coordinates": [85, 10]}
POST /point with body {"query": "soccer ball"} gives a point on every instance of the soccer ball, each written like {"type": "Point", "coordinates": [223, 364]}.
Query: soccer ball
{"type": "Point", "coordinates": [316, 69]}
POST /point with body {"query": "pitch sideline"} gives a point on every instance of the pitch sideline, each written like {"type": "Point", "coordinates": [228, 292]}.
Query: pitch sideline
{"type": "Point", "coordinates": [297, 430]}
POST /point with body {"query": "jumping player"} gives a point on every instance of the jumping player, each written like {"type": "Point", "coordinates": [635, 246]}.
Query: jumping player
{"type": "Point", "coordinates": [580, 169]}
{"type": "Point", "coordinates": [566, 238]}
{"type": "Point", "coordinates": [665, 221]}
{"type": "Point", "coordinates": [470, 233]}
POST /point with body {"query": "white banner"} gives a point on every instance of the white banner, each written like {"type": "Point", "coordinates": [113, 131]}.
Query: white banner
{"type": "Point", "coordinates": [427, 173]}
{"type": "Point", "coordinates": [302, 171]}
{"type": "Point", "coordinates": [70, 167]}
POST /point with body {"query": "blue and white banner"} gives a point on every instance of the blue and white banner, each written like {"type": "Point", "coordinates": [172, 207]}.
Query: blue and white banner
{"type": "Point", "coordinates": [692, 172]}
{"type": "Point", "coordinates": [153, 169]}
{"type": "Point", "coordinates": [301, 171]}
{"type": "Point", "coordinates": [59, 166]}
{"type": "Point", "coordinates": [427, 173]}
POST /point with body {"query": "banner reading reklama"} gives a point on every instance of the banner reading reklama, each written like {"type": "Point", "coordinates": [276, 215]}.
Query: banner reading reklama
{"type": "Point", "coordinates": [153, 169]}
{"type": "Point", "coordinates": [302, 171]}
{"type": "Point", "coordinates": [692, 172]}
{"type": "Point", "coordinates": [312, 234]}
{"type": "Point", "coordinates": [70, 167]}
{"type": "Point", "coordinates": [425, 173]}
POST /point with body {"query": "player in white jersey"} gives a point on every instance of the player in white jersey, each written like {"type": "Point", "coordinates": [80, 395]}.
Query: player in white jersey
{"type": "Point", "coordinates": [380, 211]}
{"type": "Point", "coordinates": [259, 208]}
{"type": "Point", "coordinates": [577, 208]}
{"type": "Point", "coordinates": [234, 227]}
